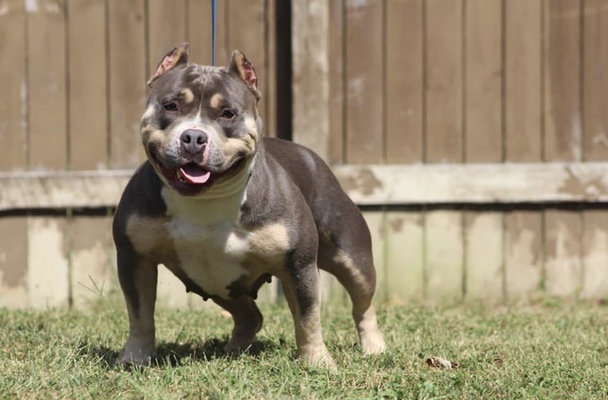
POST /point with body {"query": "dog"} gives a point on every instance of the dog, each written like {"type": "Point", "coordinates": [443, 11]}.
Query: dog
{"type": "Point", "coordinates": [225, 209]}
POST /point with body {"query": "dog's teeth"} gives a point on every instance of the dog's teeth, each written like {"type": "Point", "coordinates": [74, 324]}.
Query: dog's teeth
{"type": "Point", "coordinates": [180, 177]}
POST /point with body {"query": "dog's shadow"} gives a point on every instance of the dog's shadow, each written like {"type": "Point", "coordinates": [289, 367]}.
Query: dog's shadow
{"type": "Point", "coordinates": [172, 354]}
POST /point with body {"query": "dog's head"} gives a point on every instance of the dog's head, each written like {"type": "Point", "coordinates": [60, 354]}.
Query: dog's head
{"type": "Point", "coordinates": [201, 127]}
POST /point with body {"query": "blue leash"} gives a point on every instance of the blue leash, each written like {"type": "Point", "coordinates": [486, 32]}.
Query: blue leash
{"type": "Point", "coordinates": [213, 18]}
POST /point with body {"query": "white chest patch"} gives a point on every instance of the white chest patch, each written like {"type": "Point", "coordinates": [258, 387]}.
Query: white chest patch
{"type": "Point", "coordinates": [212, 256]}
{"type": "Point", "coordinates": [212, 248]}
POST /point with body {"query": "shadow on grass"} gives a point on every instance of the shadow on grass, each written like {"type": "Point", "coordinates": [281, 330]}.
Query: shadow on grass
{"type": "Point", "coordinates": [172, 354]}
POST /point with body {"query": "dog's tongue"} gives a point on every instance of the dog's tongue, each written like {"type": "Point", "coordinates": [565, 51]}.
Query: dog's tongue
{"type": "Point", "coordinates": [195, 174]}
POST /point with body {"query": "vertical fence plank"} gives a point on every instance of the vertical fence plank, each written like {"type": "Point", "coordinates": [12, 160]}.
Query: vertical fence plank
{"type": "Point", "coordinates": [595, 80]}
{"type": "Point", "coordinates": [444, 86]}
{"type": "Point", "coordinates": [563, 136]}
{"type": "Point", "coordinates": [444, 252]}
{"type": "Point", "coordinates": [595, 222]}
{"type": "Point", "coordinates": [87, 84]}
{"type": "Point", "coordinates": [523, 80]}
{"type": "Point", "coordinates": [246, 32]}
{"type": "Point", "coordinates": [444, 268]}
{"type": "Point", "coordinates": [13, 262]}
{"type": "Point", "coordinates": [336, 82]}
{"type": "Point", "coordinates": [13, 96]}
{"type": "Point", "coordinates": [310, 80]}
{"type": "Point", "coordinates": [91, 257]}
{"type": "Point", "coordinates": [523, 253]}
{"type": "Point", "coordinates": [483, 133]}
{"type": "Point", "coordinates": [13, 152]}
{"type": "Point", "coordinates": [523, 229]}
{"type": "Point", "coordinates": [199, 32]}
{"type": "Point", "coordinates": [47, 85]}
{"type": "Point", "coordinates": [127, 81]}
{"type": "Point", "coordinates": [595, 254]}
{"type": "Point", "coordinates": [364, 73]}
{"type": "Point", "coordinates": [166, 29]}
{"type": "Point", "coordinates": [404, 83]}
{"type": "Point", "coordinates": [404, 256]}
{"type": "Point", "coordinates": [404, 143]}
{"type": "Point", "coordinates": [48, 276]}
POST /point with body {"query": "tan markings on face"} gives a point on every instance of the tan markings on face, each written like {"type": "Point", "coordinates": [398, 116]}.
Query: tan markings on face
{"type": "Point", "coordinates": [187, 95]}
{"type": "Point", "coordinates": [235, 145]}
{"type": "Point", "coordinates": [216, 100]}
{"type": "Point", "coordinates": [252, 128]}
{"type": "Point", "coordinates": [149, 112]}
{"type": "Point", "coordinates": [149, 236]}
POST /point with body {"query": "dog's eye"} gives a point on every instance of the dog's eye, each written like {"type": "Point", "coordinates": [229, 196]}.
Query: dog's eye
{"type": "Point", "coordinates": [227, 114]}
{"type": "Point", "coordinates": [170, 106]}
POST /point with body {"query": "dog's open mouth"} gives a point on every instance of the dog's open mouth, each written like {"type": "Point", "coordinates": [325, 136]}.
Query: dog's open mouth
{"type": "Point", "coordinates": [192, 174]}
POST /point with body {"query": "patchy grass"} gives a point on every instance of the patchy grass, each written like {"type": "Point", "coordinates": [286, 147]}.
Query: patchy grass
{"type": "Point", "coordinates": [546, 351]}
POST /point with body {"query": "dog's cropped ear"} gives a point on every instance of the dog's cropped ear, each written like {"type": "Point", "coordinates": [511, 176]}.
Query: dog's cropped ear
{"type": "Point", "coordinates": [241, 66]}
{"type": "Point", "coordinates": [177, 56]}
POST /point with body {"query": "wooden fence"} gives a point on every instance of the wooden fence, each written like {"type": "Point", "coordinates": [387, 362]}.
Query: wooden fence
{"type": "Point", "coordinates": [471, 132]}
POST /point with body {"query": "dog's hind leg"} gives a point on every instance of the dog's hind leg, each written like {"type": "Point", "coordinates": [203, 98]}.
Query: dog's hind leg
{"type": "Point", "coordinates": [247, 322]}
{"type": "Point", "coordinates": [355, 271]}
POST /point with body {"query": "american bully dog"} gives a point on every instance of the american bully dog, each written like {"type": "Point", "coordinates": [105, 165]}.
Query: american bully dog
{"type": "Point", "coordinates": [225, 209]}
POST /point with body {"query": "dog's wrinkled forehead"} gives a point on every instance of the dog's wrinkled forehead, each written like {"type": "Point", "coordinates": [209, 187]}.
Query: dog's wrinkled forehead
{"type": "Point", "coordinates": [203, 87]}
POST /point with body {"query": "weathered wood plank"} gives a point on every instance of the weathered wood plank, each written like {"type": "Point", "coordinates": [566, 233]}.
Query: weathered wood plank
{"type": "Point", "coordinates": [47, 270]}
{"type": "Point", "coordinates": [404, 81]}
{"type": "Point", "coordinates": [563, 138]}
{"type": "Point", "coordinates": [562, 113]}
{"type": "Point", "coordinates": [484, 256]}
{"type": "Point", "coordinates": [444, 85]}
{"type": "Point", "coordinates": [563, 265]}
{"type": "Point", "coordinates": [62, 190]}
{"type": "Point", "coordinates": [523, 80]}
{"type": "Point", "coordinates": [127, 75]}
{"type": "Point", "coordinates": [47, 85]}
{"type": "Point", "coordinates": [364, 86]}
{"type": "Point", "coordinates": [92, 257]}
{"type": "Point", "coordinates": [523, 239]}
{"type": "Point", "coordinates": [483, 139]}
{"type": "Point", "coordinates": [444, 255]}
{"type": "Point", "coordinates": [523, 253]}
{"type": "Point", "coordinates": [88, 128]}
{"type": "Point", "coordinates": [405, 256]}
{"type": "Point", "coordinates": [311, 119]}
{"type": "Point", "coordinates": [246, 32]}
{"type": "Point", "coordinates": [13, 96]}
{"type": "Point", "coordinates": [595, 79]}
{"type": "Point", "coordinates": [166, 29]}
{"type": "Point", "coordinates": [13, 263]}
{"type": "Point", "coordinates": [474, 183]}
{"type": "Point", "coordinates": [595, 254]}
{"type": "Point", "coordinates": [337, 96]}
{"type": "Point", "coordinates": [366, 185]}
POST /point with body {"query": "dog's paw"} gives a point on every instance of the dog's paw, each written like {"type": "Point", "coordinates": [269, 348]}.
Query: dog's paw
{"type": "Point", "coordinates": [129, 360]}
{"type": "Point", "coordinates": [138, 351]}
{"type": "Point", "coordinates": [372, 343]}
{"type": "Point", "coordinates": [318, 357]}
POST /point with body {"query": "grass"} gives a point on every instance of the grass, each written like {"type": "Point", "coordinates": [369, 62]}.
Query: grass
{"type": "Point", "coordinates": [549, 350]}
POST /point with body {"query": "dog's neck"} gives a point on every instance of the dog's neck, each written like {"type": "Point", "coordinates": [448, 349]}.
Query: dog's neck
{"type": "Point", "coordinates": [222, 201]}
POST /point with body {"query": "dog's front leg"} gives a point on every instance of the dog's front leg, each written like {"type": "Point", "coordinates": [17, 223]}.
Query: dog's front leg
{"type": "Point", "coordinates": [138, 280]}
{"type": "Point", "coordinates": [301, 287]}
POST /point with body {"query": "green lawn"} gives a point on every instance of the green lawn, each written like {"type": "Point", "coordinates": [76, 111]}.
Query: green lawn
{"type": "Point", "coordinates": [549, 350]}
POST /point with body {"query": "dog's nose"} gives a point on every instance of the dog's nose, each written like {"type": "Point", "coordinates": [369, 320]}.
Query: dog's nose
{"type": "Point", "coordinates": [193, 140]}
